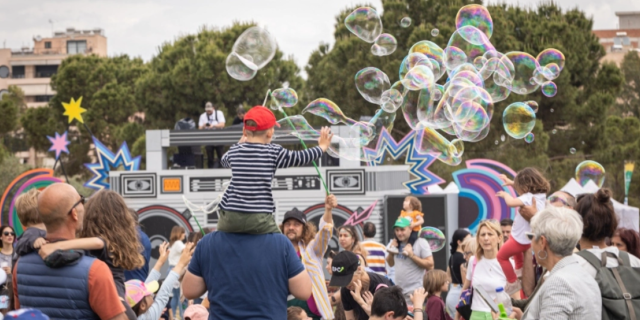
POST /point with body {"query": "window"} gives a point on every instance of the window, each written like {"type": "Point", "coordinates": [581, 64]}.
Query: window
{"type": "Point", "coordinates": [75, 47]}
{"type": "Point", "coordinates": [43, 98]}
{"type": "Point", "coordinates": [17, 72]}
{"type": "Point", "coordinates": [46, 71]}
{"type": "Point", "coordinates": [47, 44]}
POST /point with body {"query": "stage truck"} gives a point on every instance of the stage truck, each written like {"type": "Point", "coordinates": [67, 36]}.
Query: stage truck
{"type": "Point", "coordinates": [159, 192]}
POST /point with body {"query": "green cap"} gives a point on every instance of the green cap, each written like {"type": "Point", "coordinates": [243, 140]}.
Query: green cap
{"type": "Point", "coordinates": [402, 222]}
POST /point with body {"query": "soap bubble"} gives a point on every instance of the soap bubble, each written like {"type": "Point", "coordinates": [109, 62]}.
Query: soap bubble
{"type": "Point", "coordinates": [533, 105]}
{"type": "Point", "coordinates": [295, 125]}
{"type": "Point", "coordinates": [572, 150]}
{"type": "Point", "coordinates": [384, 45]}
{"type": "Point", "coordinates": [430, 141]}
{"type": "Point", "coordinates": [371, 83]}
{"type": "Point", "coordinates": [435, 32]}
{"type": "Point", "coordinates": [554, 131]}
{"type": "Point", "coordinates": [497, 142]}
{"type": "Point", "coordinates": [405, 22]}
{"type": "Point", "coordinates": [477, 16]}
{"type": "Point", "coordinates": [326, 109]}
{"type": "Point", "coordinates": [551, 63]}
{"type": "Point", "coordinates": [590, 170]}
{"type": "Point", "coordinates": [434, 237]}
{"type": "Point", "coordinates": [365, 23]}
{"type": "Point", "coordinates": [519, 67]}
{"type": "Point", "coordinates": [391, 100]}
{"type": "Point", "coordinates": [257, 46]}
{"type": "Point", "coordinates": [283, 98]}
{"type": "Point", "coordinates": [419, 77]}
{"type": "Point", "coordinates": [237, 69]}
{"type": "Point", "coordinates": [434, 53]}
{"type": "Point", "coordinates": [529, 137]}
{"type": "Point", "coordinates": [502, 137]}
{"type": "Point", "coordinates": [518, 119]}
{"type": "Point", "coordinates": [549, 89]}
{"type": "Point", "coordinates": [471, 41]}
{"type": "Point", "coordinates": [458, 145]}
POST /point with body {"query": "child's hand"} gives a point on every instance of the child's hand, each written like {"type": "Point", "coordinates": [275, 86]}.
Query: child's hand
{"type": "Point", "coordinates": [505, 180]}
{"type": "Point", "coordinates": [418, 297]}
{"type": "Point", "coordinates": [164, 251]}
{"type": "Point", "coordinates": [39, 243]}
{"type": "Point", "coordinates": [47, 250]}
{"type": "Point", "coordinates": [325, 138]}
{"type": "Point", "coordinates": [502, 194]}
{"type": "Point", "coordinates": [185, 257]}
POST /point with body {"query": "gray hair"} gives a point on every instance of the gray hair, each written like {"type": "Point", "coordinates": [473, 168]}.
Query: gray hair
{"type": "Point", "coordinates": [561, 226]}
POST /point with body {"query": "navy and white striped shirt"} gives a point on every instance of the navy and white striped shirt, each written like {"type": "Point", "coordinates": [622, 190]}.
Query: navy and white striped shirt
{"type": "Point", "coordinates": [253, 166]}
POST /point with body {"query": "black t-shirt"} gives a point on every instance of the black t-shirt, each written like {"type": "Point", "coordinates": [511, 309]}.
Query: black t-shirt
{"type": "Point", "coordinates": [350, 304]}
{"type": "Point", "coordinates": [455, 261]}
{"type": "Point", "coordinates": [237, 121]}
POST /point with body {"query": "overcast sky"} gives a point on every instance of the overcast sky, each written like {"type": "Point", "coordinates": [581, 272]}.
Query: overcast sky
{"type": "Point", "coordinates": [138, 27]}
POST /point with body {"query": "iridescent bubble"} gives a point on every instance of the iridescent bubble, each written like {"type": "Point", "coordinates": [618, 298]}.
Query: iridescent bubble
{"type": "Point", "coordinates": [454, 57]}
{"type": "Point", "coordinates": [434, 237]}
{"type": "Point", "coordinates": [435, 32]}
{"type": "Point", "coordinates": [433, 52]}
{"type": "Point", "coordinates": [458, 145]}
{"type": "Point", "coordinates": [529, 137]}
{"type": "Point", "coordinates": [554, 131]}
{"type": "Point", "coordinates": [257, 46]}
{"type": "Point", "coordinates": [237, 69]}
{"type": "Point", "coordinates": [477, 16]}
{"type": "Point", "coordinates": [502, 138]}
{"type": "Point", "coordinates": [412, 60]}
{"type": "Point", "coordinates": [471, 41]}
{"type": "Point", "coordinates": [533, 105]}
{"type": "Point", "coordinates": [363, 132]}
{"type": "Point", "coordinates": [326, 109]}
{"type": "Point", "coordinates": [572, 150]}
{"type": "Point", "coordinates": [551, 110]}
{"type": "Point", "coordinates": [518, 119]}
{"type": "Point", "coordinates": [391, 100]}
{"type": "Point", "coordinates": [590, 170]}
{"type": "Point", "coordinates": [365, 23]}
{"type": "Point", "coordinates": [405, 22]}
{"type": "Point", "coordinates": [371, 83]}
{"type": "Point", "coordinates": [295, 125]}
{"type": "Point", "coordinates": [549, 89]}
{"type": "Point", "coordinates": [551, 63]}
{"type": "Point", "coordinates": [419, 77]}
{"type": "Point", "coordinates": [384, 45]}
{"type": "Point", "coordinates": [430, 141]}
{"type": "Point", "coordinates": [283, 98]}
{"type": "Point", "coordinates": [437, 94]}
{"type": "Point", "coordinates": [519, 67]}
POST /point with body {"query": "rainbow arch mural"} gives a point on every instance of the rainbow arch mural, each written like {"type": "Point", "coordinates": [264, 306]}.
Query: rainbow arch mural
{"type": "Point", "coordinates": [36, 178]}
{"type": "Point", "coordinates": [478, 185]}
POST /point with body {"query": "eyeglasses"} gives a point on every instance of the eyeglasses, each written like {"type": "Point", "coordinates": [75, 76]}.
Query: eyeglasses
{"type": "Point", "coordinates": [530, 235]}
{"type": "Point", "coordinates": [466, 253]}
{"type": "Point", "coordinates": [13, 234]}
{"type": "Point", "coordinates": [77, 203]}
{"type": "Point", "coordinates": [554, 198]}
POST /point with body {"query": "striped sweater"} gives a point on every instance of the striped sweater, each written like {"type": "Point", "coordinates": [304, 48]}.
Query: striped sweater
{"type": "Point", "coordinates": [253, 167]}
{"type": "Point", "coordinates": [376, 256]}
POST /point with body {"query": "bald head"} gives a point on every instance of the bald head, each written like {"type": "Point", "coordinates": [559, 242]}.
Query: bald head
{"type": "Point", "coordinates": [54, 204]}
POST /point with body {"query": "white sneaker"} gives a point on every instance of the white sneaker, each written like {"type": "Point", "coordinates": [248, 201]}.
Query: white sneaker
{"type": "Point", "coordinates": [519, 273]}
{"type": "Point", "coordinates": [513, 287]}
{"type": "Point", "coordinates": [392, 250]}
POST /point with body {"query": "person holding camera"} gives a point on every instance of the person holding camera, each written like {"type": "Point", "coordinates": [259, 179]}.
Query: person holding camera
{"type": "Point", "coordinates": [212, 119]}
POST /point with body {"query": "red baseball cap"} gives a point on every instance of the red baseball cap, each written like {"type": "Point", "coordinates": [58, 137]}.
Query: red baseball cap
{"type": "Point", "coordinates": [263, 117]}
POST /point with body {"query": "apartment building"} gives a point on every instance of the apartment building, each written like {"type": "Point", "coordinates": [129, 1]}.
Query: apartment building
{"type": "Point", "coordinates": [31, 68]}
{"type": "Point", "coordinates": [619, 42]}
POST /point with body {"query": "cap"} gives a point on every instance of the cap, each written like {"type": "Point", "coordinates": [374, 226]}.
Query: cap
{"type": "Point", "coordinates": [402, 222]}
{"type": "Point", "coordinates": [295, 214]}
{"type": "Point", "coordinates": [343, 266]}
{"type": "Point", "coordinates": [263, 117]}
{"type": "Point", "coordinates": [196, 312]}
{"type": "Point", "coordinates": [137, 290]}
{"type": "Point", "coordinates": [24, 314]}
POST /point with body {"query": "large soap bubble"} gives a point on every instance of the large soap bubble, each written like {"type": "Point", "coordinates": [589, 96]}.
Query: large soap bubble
{"type": "Point", "coordinates": [435, 237]}
{"type": "Point", "coordinates": [326, 109]}
{"type": "Point", "coordinates": [283, 98]}
{"type": "Point", "coordinates": [518, 120]}
{"type": "Point", "coordinates": [590, 170]}
{"type": "Point", "coordinates": [476, 16]}
{"type": "Point", "coordinates": [365, 23]}
{"type": "Point", "coordinates": [256, 45]}
{"type": "Point", "coordinates": [384, 45]}
{"type": "Point", "coordinates": [238, 69]}
{"type": "Point", "coordinates": [371, 83]}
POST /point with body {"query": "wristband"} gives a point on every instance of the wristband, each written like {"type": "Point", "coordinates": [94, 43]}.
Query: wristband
{"type": "Point", "coordinates": [417, 310]}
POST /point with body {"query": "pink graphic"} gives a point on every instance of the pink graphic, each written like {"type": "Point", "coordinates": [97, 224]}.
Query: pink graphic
{"type": "Point", "coordinates": [358, 218]}
{"type": "Point", "coordinates": [59, 144]}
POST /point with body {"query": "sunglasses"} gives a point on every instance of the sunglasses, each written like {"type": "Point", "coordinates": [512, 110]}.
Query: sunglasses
{"type": "Point", "coordinates": [77, 203]}
{"type": "Point", "coordinates": [554, 198]}
{"type": "Point", "coordinates": [13, 234]}
{"type": "Point", "coordinates": [530, 235]}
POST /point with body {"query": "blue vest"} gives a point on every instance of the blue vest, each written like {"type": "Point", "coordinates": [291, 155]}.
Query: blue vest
{"type": "Point", "coordinates": [59, 293]}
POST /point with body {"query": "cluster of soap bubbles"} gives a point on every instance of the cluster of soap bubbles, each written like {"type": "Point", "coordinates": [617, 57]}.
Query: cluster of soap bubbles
{"type": "Point", "coordinates": [444, 114]}
{"type": "Point", "coordinates": [590, 170]}
{"type": "Point", "coordinates": [251, 52]}
{"type": "Point", "coordinates": [366, 24]}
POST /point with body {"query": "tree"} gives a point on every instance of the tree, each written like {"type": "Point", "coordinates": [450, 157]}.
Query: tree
{"type": "Point", "coordinates": [629, 98]}
{"type": "Point", "coordinates": [191, 71]}
{"type": "Point", "coordinates": [107, 88]}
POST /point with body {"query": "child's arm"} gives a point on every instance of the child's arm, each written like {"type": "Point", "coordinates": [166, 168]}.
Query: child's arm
{"type": "Point", "coordinates": [75, 244]}
{"type": "Point", "coordinates": [419, 221]}
{"type": "Point", "coordinates": [505, 180]}
{"type": "Point", "coordinates": [511, 201]}
{"type": "Point", "coordinates": [288, 158]}
{"type": "Point", "coordinates": [155, 274]}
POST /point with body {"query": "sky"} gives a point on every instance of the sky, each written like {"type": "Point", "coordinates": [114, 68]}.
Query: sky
{"type": "Point", "coordinates": [139, 27]}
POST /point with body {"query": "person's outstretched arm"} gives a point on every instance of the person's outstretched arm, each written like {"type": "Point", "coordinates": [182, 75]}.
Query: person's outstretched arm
{"type": "Point", "coordinates": [320, 243]}
{"type": "Point", "coordinates": [288, 158]}
{"type": "Point", "coordinates": [155, 274]}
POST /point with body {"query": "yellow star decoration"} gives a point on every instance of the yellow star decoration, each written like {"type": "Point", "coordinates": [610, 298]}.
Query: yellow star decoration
{"type": "Point", "coordinates": [74, 110]}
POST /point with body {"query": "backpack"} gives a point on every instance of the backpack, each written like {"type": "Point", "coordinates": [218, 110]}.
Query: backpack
{"type": "Point", "coordinates": [618, 286]}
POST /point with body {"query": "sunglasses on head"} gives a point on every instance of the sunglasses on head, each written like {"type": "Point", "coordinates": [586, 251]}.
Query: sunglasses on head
{"type": "Point", "coordinates": [7, 233]}
{"type": "Point", "coordinates": [530, 235]}
{"type": "Point", "coordinates": [553, 198]}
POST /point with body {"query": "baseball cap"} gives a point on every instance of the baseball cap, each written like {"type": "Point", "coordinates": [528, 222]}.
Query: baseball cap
{"type": "Point", "coordinates": [24, 314]}
{"type": "Point", "coordinates": [137, 290]}
{"type": "Point", "coordinates": [402, 222]}
{"type": "Point", "coordinates": [196, 312]}
{"type": "Point", "coordinates": [343, 266]}
{"type": "Point", "coordinates": [263, 117]}
{"type": "Point", "coordinates": [295, 214]}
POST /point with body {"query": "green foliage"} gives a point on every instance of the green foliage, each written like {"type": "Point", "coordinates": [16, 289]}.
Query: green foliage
{"type": "Point", "coordinates": [10, 168]}
{"type": "Point", "coordinates": [629, 98]}
{"type": "Point", "coordinates": [191, 71]}
{"type": "Point", "coordinates": [11, 105]}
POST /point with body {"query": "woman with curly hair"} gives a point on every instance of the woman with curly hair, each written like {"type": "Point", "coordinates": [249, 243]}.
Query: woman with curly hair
{"type": "Point", "coordinates": [627, 240]}
{"type": "Point", "coordinates": [110, 235]}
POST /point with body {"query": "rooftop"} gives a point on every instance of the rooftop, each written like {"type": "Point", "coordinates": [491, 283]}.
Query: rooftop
{"type": "Point", "coordinates": [604, 34]}
{"type": "Point", "coordinates": [627, 13]}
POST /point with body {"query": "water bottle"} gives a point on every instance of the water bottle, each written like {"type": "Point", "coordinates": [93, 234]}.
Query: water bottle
{"type": "Point", "coordinates": [504, 299]}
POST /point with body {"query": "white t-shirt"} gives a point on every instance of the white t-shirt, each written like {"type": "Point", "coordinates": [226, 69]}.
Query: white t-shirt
{"type": "Point", "coordinates": [175, 252]}
{"type": "Point", "coordinates": [611, 262]}
{"type": "Point", "coordinates": [488, 276]}
{"type": "Point", "coordinates": [520, 225]}
{"type": "Point", "coordinates": [211, 119]}
{"type": "Point", "coordinates": [409, 275]}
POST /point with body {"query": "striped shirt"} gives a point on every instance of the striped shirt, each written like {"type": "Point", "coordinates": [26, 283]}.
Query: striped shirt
{"type": "Point", "coordinates": [312, 257]}
{"type": "Point", "coordinates": [375, 256]}
{"type": "Point", "coordinates": [253, 167]}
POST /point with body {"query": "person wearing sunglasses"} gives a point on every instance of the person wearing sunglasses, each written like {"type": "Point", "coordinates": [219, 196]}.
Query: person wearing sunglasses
{"type": "Point", "coordinates": [7, 255]}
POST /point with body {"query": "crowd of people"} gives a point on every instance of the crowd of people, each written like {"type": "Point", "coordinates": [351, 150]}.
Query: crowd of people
{"type": "Point", "coordinates": [562, 257]}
